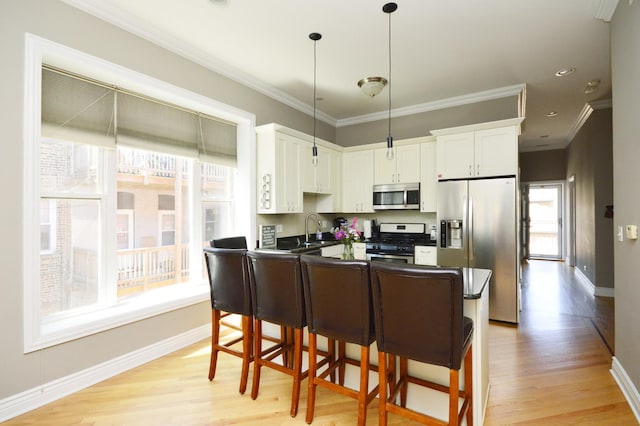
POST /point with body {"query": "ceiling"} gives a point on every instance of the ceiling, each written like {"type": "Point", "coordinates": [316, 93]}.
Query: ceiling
{"type": "Point", "coordinates": [443, 52]}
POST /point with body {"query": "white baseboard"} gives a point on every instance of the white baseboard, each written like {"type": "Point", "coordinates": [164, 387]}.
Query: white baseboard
{"type": "Point", "coordinates": [626, 386]}
{"type": "Point", "coordinates": [604, 292]}
{"type": "Point", "coordinates": [41, 395]}
{"type": "Point", "coordinates": [591, 287]}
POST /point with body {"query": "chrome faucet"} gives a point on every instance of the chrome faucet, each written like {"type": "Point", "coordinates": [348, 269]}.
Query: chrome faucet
{"type": "Point", "coordinates": [306, 225]}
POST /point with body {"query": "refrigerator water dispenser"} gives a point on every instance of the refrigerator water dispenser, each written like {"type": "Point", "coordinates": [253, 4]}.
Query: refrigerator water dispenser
{"type": "Point", "coordinates": [451, 233]}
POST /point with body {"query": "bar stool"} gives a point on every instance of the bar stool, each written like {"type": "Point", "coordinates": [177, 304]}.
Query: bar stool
{"type": "Point", "coordinates": [418, 315]}
{"type": "Point", "coordinates": [230, 294]}
{"type": "Point", "coordinates": [338, 301]}
{"type": "Point", "coordinates": [277, 297]}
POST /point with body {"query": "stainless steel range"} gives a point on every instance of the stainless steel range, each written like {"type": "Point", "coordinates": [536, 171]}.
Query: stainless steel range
{"type": "Point", "coordinates": [395, 242]}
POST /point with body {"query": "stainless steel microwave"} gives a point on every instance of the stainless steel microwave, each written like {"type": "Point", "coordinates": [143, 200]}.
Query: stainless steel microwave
{"type": "Point", "coordinates": [396, 196]}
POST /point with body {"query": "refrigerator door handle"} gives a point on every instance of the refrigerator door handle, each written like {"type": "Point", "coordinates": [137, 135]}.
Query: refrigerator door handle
{"type": "Point", "coordinates": [470, 226]}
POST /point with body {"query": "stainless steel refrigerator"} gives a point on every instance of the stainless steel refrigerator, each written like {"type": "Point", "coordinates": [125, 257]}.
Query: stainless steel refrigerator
{"type": "Point", "coordinates": [478, 228]}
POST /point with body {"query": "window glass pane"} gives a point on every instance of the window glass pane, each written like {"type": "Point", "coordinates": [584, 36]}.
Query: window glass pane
{"type": "Point", "coordinates": [158, 239]}
{"type": "Point", "coordinates": [67, 168]}
{"type": "Point", "coordinates": [69, 275]}
{"type": "Point", "coordinates": [217, 189]}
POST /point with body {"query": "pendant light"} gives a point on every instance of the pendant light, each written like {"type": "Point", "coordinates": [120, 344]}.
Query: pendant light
{"type": "Point", "coordinates": [314, 156]}
{"type": "Point", "coordinates": [389, 8]}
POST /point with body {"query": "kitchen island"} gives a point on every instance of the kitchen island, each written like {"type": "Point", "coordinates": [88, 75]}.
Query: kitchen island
{"type": "Point", "coordinates": [476, 307]}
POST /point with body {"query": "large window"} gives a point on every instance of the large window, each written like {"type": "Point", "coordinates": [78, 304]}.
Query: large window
{"type": "Point", "coordinates": [117, 176]}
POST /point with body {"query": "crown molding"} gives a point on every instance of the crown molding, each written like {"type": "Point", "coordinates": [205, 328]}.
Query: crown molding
{"type": "Point", "coordinates": [606, 9]}
{"type": "Point", "coordinates": [584, 115]}
{"type": "Point", "coordinates": [470, 98]}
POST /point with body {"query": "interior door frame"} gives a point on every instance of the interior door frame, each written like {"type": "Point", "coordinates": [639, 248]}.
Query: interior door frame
{"type": "Point", "coordinates": [571, 215]}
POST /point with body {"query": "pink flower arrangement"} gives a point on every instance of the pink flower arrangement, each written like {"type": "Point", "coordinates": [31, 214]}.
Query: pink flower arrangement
{"type": "Point", "coordinates": [348, 233]}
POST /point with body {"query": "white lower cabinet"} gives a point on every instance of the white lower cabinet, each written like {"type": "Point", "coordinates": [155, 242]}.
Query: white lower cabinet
{"type": "Point", "coordinates": [332, 251]}
{"type": "Point", "coordinates": [360, 251]}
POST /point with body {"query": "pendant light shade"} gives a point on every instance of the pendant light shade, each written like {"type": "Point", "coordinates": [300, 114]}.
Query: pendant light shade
{"type": "Point", "coordinates": [389, 8]}
{"type": "Point", "coordinates": [314, 153]}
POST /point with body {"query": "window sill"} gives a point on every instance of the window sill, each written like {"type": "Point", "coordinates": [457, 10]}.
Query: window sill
{"type": "Point", "coordinates": [60, 330]}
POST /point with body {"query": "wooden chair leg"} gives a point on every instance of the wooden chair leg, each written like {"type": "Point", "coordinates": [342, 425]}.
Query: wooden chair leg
{"type": "Point", "coordinates": [404, 373]}
{"type": "Point", "coordinates": [454, 386]}
{"type": "Point", "coordinates": [311, 393]}
{"type": "Point", "coordinates": [382, 389]}
{"type": "Point", "coordinates": [247, 351]}
{"type": "Point", "coordinates": [468, 383]}
{"type": "Point", "coordinates": [331, 354]}
{"type": "Point", "coordinates": [297, 371]}
{"type": "Point", "coordinates": [215, 338]}
{"type": "Point", "coordinates": [257, 347]}
{"type": "Point", "coordinates": [342, 353]}
{"type": "Point", "coordinates": [364, 385]}
{"type": "Point", "coordinates": [391, 373]}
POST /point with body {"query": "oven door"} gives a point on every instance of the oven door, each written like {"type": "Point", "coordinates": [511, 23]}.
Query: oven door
{"type": "Point", "coordinates": [393, 258]}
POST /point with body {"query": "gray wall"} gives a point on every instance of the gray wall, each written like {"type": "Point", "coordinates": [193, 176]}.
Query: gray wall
{"type": "Point", "coordinates": [625, 62]}
{"type": "Point", "coordinates": [589, 159]}
{"type": "Point", "coordinates": [416, 125]}
{"type": "Point", "coordinates": [540, 166]}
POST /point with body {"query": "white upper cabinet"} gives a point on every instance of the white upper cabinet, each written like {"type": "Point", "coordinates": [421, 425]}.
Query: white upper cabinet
{"type": "Point", "coordinates": [278, 173]}
{"type": "Point", "coordinates": [404, 168]}
{"type": "Point", "coordinates": [428, 177]}
{"type": "Point", "coordinates": [317, 179]}
{"type": "Point", "coordinates": [484, 152]}
{"type": "Point", "coordinates": [357, 181]}
{"type": "Point", "coordinates": [496, 151]}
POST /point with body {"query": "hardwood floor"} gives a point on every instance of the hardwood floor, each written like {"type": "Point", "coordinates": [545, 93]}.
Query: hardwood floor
{"type": "Point", "coordinates": [552, 369]}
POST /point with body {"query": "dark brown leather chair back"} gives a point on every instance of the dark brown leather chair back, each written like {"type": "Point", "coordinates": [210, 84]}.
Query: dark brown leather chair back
{"type": "Point", "coordinates": [419, 313]}
{"type": "Point", "coordinates": [228, 280]}
{"type": "Point", "coordinates": [230, 243]}
{"type": "Point", "coordinates": [338, 299]}
{"type": "Point", "coordinates": [276, 288]}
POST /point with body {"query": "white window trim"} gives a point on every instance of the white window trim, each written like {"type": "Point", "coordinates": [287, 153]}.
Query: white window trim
{"type": "Point", "coordinates": [38, 335]}
{"type": "Point", "coordinates": [51, 247]}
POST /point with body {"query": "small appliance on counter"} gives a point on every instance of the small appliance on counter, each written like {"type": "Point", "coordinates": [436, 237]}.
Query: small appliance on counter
{"type": "Point", "coordinates": [339, 221]}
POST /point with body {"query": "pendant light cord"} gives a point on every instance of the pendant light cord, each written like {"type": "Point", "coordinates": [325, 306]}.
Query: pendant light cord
{"type": "Point", "coordinates": [315, 66]}
{"type": "Point", "coordinates": [390, 82]}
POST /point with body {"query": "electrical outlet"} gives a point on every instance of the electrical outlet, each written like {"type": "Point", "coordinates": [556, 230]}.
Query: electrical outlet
{"type": "Point", "coordinates": [279, 228]}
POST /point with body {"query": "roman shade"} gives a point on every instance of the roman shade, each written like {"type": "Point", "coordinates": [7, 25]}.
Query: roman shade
{"type": "Point", "coordinates": [78, 109]}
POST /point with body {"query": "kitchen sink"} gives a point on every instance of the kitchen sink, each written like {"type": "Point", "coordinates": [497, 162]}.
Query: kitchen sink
{"type": "Point", "coordinates": [319, 243]}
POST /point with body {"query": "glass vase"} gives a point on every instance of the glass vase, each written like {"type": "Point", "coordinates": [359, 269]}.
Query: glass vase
{"type": "Point", "coordinates": [347, 252]}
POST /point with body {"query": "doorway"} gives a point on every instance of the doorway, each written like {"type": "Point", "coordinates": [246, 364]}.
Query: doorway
{"type": "Point", "coordinates": [545, 221]}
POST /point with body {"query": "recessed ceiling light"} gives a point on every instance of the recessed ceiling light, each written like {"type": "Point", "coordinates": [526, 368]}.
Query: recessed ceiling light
{"type": "Point", "coordinates": [544, 136]}
{"type": "Point", "coordinates": [590, 89]}
{"type": "Point", "coordinates": [563, 72]}
{"type": "Point", "coordinates": [593, 83]}
{"type": "Point", "coordinates": [552, 113]}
